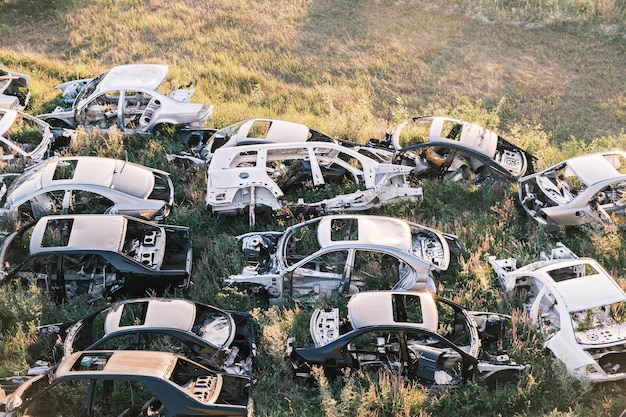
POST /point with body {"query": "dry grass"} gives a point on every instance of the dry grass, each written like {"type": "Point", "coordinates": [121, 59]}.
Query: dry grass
{"type": "Point", "coordinates": [343, 66]}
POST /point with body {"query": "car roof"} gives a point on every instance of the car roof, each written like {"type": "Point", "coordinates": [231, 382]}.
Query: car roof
{"type": "Point", "coordinates": [372, 230]}
{"type": "Point", "coordinates": [120, 175]}
{"type": "Point", "coordinates": [119, 362]}
{"type": "Point", "coordinates": [472, 135]}
{"type": "Point", "coordinates": [133, 77]}
{"type": "Point", "coordinates": [585, 292]}
{"type": "Point", "coordinates": [593, 168]}
{"type": "Point", "coordinates": [171, 313]}
{"type": "Point", "coordinates": [224, 156]}
{"type": "Point", "coordinates": [103, 232]}
{"type": "Point", "coordinates": [371, 308]}
{"type": "Point", "coordinates": [278, 131]}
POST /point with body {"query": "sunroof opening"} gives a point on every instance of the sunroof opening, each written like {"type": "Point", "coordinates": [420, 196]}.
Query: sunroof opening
{"type": "Point", "coordinates": [57, 233]}
{"type": "Point", "coordinates": [65, 170]}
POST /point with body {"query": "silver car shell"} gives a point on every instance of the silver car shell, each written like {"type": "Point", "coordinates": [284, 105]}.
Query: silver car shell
{"type": "Point", "coordinates": [548, 196]}
{"type": "Point", "coordinates": [419, 240]}
{"type": "Point", "coordinates": [126, 184]}
{"type": "Point", "coordinates": [420, 248]}
{"type": "Point", "coordinates": [558, 306]}
{"type": "Point", "coordinates": [173, 109]}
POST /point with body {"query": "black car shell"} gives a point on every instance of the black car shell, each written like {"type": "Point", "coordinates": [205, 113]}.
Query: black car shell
{"type": "Point", "coordinates": [98, 256]}
{"type": "Point", "coordinates": [223, 340]}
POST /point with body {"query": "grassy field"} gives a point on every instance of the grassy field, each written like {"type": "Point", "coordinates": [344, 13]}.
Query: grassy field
{"type": "Point", "coordinates": [546, 75]}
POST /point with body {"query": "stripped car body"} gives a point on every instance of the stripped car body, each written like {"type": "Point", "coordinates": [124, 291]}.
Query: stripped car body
{"type": "Point", "coordinates": [583, 189]}
{"type": "Point", "coordinates": [573, 301]}
{"type": "Point", "coordinates": [422, 336]}
{"type": "Point", "coordinates": [126, 97]}
{"type": "Point", "coordinates": [30, 139]}
{"type": "Point", "coordinates": [14, 91]}
{"type": "Point", "coordinates": [86, 185]}
{"type": "Point", "coordinates": [245, 132]}
{"type": "Point", "coordinates": [338, 254]}
{"type": "Point", "coordinates": [131, 383]}
{"type": "Point", "coordinates": [223, 340]}
{"type": "Point", "coordinates": [246, 177]}
{"type": "Point", "coordinates": [451, 148]}
{"type": "Point", "coordinates": [97, 256]}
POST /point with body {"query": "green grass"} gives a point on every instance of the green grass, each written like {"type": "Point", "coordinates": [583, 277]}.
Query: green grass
{"type": "Point", "coordinates": [546, 75]}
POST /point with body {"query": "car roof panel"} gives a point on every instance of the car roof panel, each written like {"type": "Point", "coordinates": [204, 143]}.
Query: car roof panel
{"type": "Point", "coordinates": [592, 169]}
{"type": "Point", "coordinates": [371, 308]}
{"type": "Point", "coordinates": [176, 314]}
{"type": "Point", "coordinates": [133, 77]}
{"type": "Point", "coordinates": [372, 230]}
{"type": "Point", "coordinates": [88, 232]}
{"type": "Point", "coordinates": [145, 363]}
{"type": "Point", "coordinates": [589, 292]}
{"type": "Point", "coordinates": [120, 175]}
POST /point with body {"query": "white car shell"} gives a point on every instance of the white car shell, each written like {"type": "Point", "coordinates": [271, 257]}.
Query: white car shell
{"type": "Point", "coordinates": [572, 300]}
{"type": "Point", "coordinates": [86, 184]}
{"type": "Point", "coordinates": [248, 176]}
{"type": "Point", "coordinates": [453, 145]}
{"type": "Point", "coordinates": [126, 97]}
{"type": "Point", "coordinates": [342, 254]}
